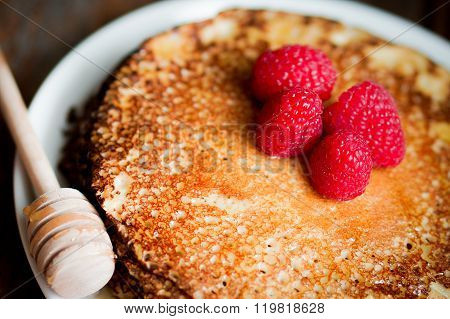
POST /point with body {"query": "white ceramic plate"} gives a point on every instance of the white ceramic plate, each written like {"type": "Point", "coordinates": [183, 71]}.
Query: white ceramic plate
{"type": "Point", "coordinates": [79, 75]}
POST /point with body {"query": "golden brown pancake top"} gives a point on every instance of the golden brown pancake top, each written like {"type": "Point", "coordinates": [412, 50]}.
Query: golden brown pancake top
{"type": "Point", "coordinates": [200, 208]}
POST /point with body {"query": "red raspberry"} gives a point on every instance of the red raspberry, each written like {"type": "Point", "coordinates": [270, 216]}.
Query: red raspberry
{"type": "Point", "coordinates": [340, 166]}
{"type": "Point", "coordinates": [293, 66]}
{"type": "Point", "coordinates": [370, 110]}
{"type": "Point", "coordinates": [289, 123]}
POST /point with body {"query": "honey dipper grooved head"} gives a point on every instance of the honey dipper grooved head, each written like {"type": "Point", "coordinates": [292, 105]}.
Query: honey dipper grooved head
{"type": "Point", "coordinates": [69, 243]}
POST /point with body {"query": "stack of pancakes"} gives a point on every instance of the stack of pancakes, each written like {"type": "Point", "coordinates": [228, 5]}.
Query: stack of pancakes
{"type": "Point", "coordinates": [195, 210]}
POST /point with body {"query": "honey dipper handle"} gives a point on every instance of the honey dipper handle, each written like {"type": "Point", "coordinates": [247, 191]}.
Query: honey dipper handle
{"type": "Point", "coordinates": [16, 116]}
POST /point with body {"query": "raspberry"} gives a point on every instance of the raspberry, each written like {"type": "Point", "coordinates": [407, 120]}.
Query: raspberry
{"type": "Point", "coordinates": [370, 110]}
{"type": "Point", "coordinates": [341, 165]}
{"type": "Point", "coordinates": [289, 123]}
{"type": "Point", "coordinates": [293, 66]}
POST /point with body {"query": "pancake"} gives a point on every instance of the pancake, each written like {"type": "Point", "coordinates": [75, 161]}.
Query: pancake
{"type": "Point", "coordinates": [197, 211]}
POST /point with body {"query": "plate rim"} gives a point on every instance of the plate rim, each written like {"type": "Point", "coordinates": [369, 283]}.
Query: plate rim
{"type": "Point", "coordinates": [436, 48]}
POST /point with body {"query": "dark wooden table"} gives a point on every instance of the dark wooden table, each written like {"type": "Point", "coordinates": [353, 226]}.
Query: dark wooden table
{"type": "Point", "coordinates": [33, 53]}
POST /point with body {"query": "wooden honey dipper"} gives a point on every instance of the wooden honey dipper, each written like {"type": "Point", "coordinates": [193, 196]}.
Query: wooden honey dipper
{"type": "Point", "coordinates": [68, 240]}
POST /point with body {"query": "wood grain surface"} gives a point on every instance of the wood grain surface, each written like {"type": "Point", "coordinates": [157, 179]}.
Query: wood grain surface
{"type": "Point", "coordinates": [32, 54]}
